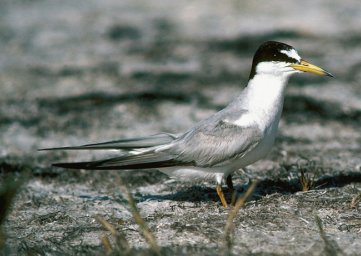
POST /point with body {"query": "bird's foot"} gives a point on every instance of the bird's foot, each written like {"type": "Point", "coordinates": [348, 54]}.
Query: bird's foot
{"type": "Point", "coordinates": [221, 195]}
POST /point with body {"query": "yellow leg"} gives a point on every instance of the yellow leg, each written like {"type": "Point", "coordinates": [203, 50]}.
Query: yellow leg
{"type": "Point", "coordinates": [231, 189]}
{"type": "Point", "coordinates": [221, 195]}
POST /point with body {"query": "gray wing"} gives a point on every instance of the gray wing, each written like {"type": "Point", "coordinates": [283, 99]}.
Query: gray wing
{"type": "Point", "coordinates": [216, 142]}
{"type": "Point", "coordinates": [125, 144]}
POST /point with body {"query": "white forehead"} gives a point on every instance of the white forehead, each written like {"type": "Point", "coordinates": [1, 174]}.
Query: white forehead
{"type": "Point", "coordinates": [292, 53]}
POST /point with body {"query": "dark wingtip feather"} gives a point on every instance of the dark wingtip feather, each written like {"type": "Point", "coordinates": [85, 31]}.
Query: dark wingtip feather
{"type": "Point", "coordinates": [123, 144]}
{"type": "Point", "coordinates": [60, 148]}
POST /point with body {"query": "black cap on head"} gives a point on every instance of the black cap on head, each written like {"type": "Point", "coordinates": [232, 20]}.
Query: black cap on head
{"type": "Point", "coordinates": [271, 51]}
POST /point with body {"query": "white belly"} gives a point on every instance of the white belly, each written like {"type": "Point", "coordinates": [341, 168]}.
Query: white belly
{"type": "Point", "coordinates": [197, 174]}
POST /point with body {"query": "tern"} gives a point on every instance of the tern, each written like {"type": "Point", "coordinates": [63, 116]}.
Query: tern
{"type": "Point", "coordinates": [233, 138]}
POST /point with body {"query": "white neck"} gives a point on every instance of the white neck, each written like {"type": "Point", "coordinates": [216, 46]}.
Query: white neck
{"type": "Point", "coordinates": [264, 96]}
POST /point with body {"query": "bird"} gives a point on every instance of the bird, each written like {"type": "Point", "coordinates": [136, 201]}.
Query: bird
{"type": "Point", "coordinates": [238, 135]}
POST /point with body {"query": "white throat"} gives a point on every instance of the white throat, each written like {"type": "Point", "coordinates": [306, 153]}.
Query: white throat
{"type": "Point", "coordinates": [264, 96]}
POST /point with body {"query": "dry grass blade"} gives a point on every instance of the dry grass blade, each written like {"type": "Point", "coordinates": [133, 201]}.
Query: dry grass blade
{"type": "Point", "coordinates": [229, 228]}
{"type": "Point", "coordinates": [306, 181]}
{"type": "Point", "coordinates": [120, 239]}
{"type": "Point", "coordinates": [107, 225]}
{"type": "Point", "coordinates": [355, 200]}
{"type": "Point", "coordinates": [107, 245]}
{"type": "Point", "coordinates": [146, 232]}
{"type": "Point", "coordinates": [331, 248]}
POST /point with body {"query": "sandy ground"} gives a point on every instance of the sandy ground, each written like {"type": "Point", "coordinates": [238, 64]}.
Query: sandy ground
{"type": "Point", "coordinates": [74, 72]}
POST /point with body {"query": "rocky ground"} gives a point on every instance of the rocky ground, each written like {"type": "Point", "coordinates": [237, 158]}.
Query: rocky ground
{"type": "Point", "coordinates": [75, 72]}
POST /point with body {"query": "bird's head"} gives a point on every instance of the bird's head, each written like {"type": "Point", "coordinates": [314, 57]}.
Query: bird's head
{"type": "Point", "coordinates": [279, 59]}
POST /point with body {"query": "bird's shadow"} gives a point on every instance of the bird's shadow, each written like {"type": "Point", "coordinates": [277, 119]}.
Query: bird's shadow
{"type": "Point", "coordinates": [198, 193]}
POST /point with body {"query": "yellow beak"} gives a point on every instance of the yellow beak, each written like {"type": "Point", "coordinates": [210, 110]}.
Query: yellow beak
{"type": "Point", "coordinates": [308, 67]}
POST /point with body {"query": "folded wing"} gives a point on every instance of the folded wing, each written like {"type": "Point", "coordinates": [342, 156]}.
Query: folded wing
{"type": "Point", "coordinates": [216, 141]}
{"type": "Point", "coordinates": [216, 145]}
